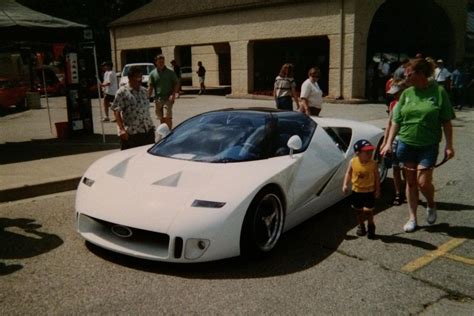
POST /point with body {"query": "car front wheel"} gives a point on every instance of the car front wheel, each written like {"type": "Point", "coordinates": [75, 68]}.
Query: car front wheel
{"type": "Point", "coordinates": [263, 224]}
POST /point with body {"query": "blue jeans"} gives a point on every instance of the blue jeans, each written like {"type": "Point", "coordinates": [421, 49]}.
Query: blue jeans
{"type": "Point", "coordinates": [424, 155]}
{"type": "Point", "coordinates": [284, 103]}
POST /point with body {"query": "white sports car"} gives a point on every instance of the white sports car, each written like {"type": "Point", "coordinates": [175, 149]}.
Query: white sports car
{"type": "Point", "coordinates": [220, 184]}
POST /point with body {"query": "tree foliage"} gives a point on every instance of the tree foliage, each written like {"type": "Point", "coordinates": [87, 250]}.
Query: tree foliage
{"type": "Point", "coordinates": [97, 14]}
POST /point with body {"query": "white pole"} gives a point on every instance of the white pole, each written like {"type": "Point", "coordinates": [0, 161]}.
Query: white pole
{"type": "Point", "coordinates": [47, 101]}
{"type": "Point", "coordinates": [98, 93]}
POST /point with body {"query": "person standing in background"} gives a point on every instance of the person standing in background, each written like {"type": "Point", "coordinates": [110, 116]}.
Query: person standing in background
{"type": "Point", "coordinates": [164, 82]}
{"type": "Point", "coordinates": [311, 95]}
{"type": "Point", "coordinates": [132, 112]}
{"type": "Point", "coordinates": [442, 75]}
{"type": "Point", "coordinates": [109, 86]}
{"type": "Point", "coordinates": [458, 86]}
{"type": "Point", "coordinates": [284, 89]}
{"type": "Point", "coordinates": [177, 71]}
{"type": "Point", "coordinates": [201, 72]}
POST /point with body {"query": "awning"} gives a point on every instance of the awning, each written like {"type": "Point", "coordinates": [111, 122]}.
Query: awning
{"type": "Point", "coordinates": [19, 23]}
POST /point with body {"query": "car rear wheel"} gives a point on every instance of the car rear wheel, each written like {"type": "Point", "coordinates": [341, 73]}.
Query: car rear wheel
{"type": "Point", "coordinates": [263, 223]}
{"type": "Point", "coordinates": [381, 162]}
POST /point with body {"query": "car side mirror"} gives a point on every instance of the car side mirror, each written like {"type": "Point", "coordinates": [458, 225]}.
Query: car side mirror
{"type": "Point", "coordinates": [294, 143]}
{"type": "Point", "coordinates": [161, 132]}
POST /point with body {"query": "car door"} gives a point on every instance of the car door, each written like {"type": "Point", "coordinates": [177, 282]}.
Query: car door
{"type": "Point", "coordinates": [316, 168]}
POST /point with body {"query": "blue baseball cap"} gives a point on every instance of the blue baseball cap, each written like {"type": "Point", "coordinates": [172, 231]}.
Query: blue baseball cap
{"type": "Point", "coordinates": [363, 145]}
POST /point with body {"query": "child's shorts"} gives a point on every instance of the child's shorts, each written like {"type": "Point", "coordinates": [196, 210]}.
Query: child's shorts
{"type": "Point", "coordinates": [359, 200]}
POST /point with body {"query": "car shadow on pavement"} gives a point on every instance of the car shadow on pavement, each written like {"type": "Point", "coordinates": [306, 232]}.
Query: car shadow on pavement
{"type": "Point", "coordinates": [300, 248]}
{"type": "Point", "coordinates": [20, 239]}
{"type": "Point", "coordinates": [14, 152]}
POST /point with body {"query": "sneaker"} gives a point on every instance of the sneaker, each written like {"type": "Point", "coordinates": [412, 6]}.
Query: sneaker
{"type": "Point", "coordinates": [398, 200]}
{"type": "Point", "coordinates": [410, 226]}
{"type": "Point", "coordinates": [431, 215]}
{"type": "Point", "coordinates": [106, 119]}
{"type": "Point", "coordinates": [361, 230]}
{"type": "Point", "coordinates": [371, 231]}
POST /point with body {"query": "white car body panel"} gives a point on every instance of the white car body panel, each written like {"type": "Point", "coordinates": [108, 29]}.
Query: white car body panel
{"type": "Point", "coordinates": [136, 189]}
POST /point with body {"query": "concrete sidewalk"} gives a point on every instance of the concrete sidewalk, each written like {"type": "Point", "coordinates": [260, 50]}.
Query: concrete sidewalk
{"type": "Point", "coordinates": [34, 162]}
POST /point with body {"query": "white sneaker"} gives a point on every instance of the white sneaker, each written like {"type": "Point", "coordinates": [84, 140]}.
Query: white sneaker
{"type": "Point", "coordinates": [431, 215]}
{"type": "Point", "coordinates": [410, 226]}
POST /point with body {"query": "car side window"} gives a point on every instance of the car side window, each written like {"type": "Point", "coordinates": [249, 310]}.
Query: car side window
{"type": "Point", "coordinates": [341, 136]}
{"type": "Point", "coordinates": [290, 124]}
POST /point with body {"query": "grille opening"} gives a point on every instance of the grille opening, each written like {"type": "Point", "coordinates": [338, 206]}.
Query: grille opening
{"type": "Point", "coordinates": [142, 243]}
{"type": "Point", "coordinates": [178, 247]}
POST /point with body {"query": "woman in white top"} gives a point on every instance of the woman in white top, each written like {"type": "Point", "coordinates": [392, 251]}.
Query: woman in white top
{"type": "Point", "coordinates": [284, 89]}
{"type": "Point", "coordinates": [311, 95]}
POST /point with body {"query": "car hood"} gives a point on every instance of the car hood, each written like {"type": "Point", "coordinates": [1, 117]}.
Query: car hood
{"type": "Point", "coordinates": [130, 187]}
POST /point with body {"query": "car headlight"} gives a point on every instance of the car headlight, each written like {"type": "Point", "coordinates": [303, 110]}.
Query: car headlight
{"type": "Point", "coordinates": [209, 204]}
{"type": "Point", "coordinates": [87, 181]}
{"type": "Point", "coordinates": [195, 248]}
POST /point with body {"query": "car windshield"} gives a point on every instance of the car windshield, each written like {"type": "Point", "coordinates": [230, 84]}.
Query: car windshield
{"type": "Point", "coordinates": [234, 136]}
{"type": "Point", "coordinates": [145, 69]}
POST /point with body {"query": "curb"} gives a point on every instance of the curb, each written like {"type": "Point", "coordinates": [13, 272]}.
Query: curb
{"type": "Point", "coordinates": [29, 191]}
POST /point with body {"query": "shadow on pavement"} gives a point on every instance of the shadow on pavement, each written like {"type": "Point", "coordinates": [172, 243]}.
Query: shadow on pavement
{"type": "Point", "coordinates": [20, 238]}
{"type": "Point", "coordinates": [54, 147]}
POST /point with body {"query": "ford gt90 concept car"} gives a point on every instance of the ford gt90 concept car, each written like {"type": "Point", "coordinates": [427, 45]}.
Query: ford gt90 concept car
{"type": "Point", "coordinates": [221, 184]}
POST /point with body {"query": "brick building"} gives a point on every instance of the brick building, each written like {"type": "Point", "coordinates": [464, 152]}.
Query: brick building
{"type": "Point", "coordinates": [243, 43]}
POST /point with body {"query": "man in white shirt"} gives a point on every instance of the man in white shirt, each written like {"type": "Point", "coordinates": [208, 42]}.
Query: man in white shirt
{"type": "Point", "coordinates": [442, 75]}
{"type": "Point", "coordinates": [109, 86]}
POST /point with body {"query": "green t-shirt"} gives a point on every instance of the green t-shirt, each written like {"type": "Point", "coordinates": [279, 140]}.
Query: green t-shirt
{"type": "Point", "coordinates": [163, 82]}
{"type": "Point", "coordinates": [420, 114]}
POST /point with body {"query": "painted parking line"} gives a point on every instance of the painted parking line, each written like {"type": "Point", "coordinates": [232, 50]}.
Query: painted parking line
{"type": "Point", "coordinates": [460, 259]}
{"type": "Point", "coordinates": [442, 251]}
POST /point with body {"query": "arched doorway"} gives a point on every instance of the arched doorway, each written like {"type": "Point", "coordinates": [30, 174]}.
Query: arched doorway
{"type": "Point", "coordinates": [403, 28]}
{"type": "Point", "coordinates": [410, 27]}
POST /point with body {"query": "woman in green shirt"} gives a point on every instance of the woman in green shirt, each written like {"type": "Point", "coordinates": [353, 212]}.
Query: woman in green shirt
{"type": "Point", "coordinates": [422, 114]}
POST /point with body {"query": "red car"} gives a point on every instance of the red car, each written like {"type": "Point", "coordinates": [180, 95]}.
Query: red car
{"type": "Point", "coordinates": [12, 92]}
{"type": "Point", "coordinates": [54, 86]}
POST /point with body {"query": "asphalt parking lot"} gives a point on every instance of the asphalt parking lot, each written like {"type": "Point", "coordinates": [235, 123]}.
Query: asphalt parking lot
{"type": "Point", "coordinates": [320, 267]}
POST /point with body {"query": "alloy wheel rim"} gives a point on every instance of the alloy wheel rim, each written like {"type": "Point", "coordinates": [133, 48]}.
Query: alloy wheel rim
{"type": "Point", "coordinates": [268, 222]}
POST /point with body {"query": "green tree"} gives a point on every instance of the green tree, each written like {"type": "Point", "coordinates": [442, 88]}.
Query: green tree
{"type": "Point", "coordinates": [96, 14]}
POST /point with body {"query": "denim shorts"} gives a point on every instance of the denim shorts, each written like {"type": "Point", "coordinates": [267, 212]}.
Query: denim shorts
{"type": "Point", "coordinates": [394, 158]}
{"type": "Point", "coordinates": [425, 155]}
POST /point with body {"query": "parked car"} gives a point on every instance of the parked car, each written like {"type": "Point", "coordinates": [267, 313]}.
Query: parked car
{"type": "Point", "coordinates": [221, 184]}
{"type": "Point", "coordinates": [146, 69]}
{"type": "Point", "coordinates": [186, 76]}
{"type": "Point", "coordinates": [12, 92]}
{"type": "Point", "coordinates": [54, 86]}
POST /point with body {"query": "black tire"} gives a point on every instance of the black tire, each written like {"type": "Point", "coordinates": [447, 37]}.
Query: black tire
{"type": "Point", "coordinates": [263, 223]}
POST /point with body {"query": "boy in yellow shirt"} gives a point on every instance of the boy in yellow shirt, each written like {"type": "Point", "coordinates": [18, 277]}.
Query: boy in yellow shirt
{"type": "Point", "coordinates": [364, 175]}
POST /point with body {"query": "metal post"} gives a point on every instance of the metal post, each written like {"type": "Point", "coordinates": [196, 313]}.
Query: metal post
{"type": "Point", "coordinates": [47, 101]}
{"type": "Point", "coordinates": [98, 92]}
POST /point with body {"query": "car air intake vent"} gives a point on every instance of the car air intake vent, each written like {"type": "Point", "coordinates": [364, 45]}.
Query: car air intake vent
{"type": "Point", "coordinates": [178, 247]}
{"type": "Point", "coordinates": [140, 242]}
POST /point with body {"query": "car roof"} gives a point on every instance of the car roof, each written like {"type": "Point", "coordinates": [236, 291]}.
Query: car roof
{"type": "Point", "coordinates": [267, 110]}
